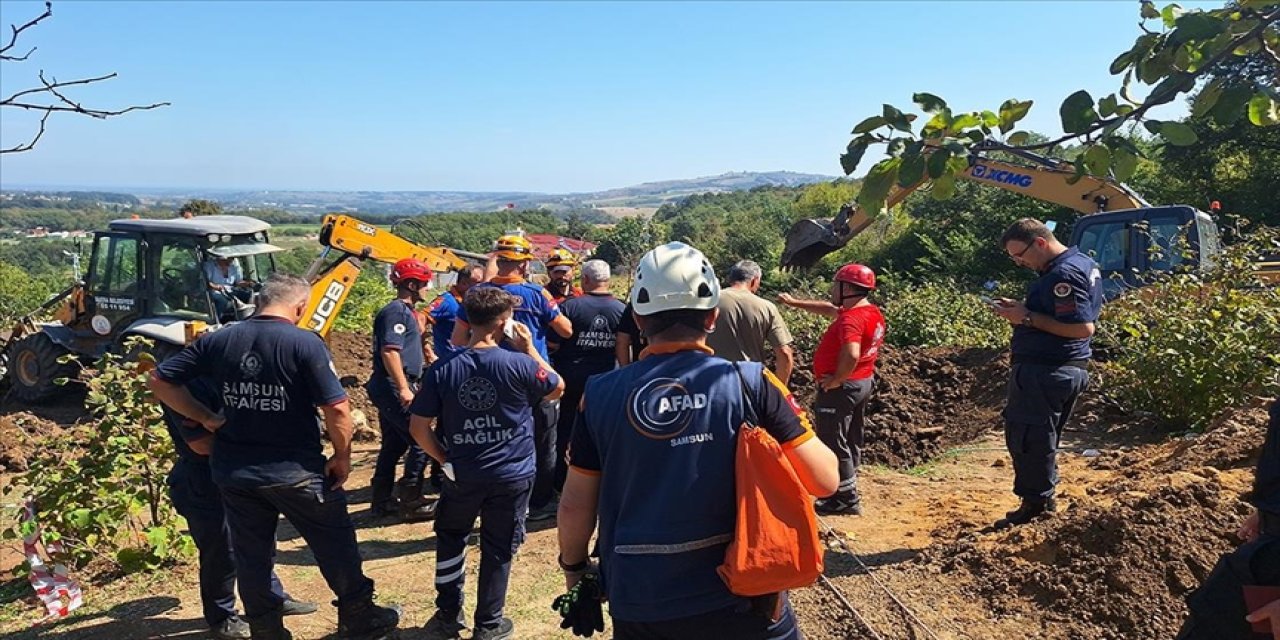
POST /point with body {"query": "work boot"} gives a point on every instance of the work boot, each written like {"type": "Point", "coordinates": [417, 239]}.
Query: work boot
{"type": "Point", "coordinates": [413, 507]}
{"type": "Point", "coordinates": [233, 628]}
{"type": "Point", "coordinates": [1026, 512]}
{"type": "Point", "coordinates": [383, 502]}
{"type": "Point", "coordinates": [364, 620]}
{"type": "Point", "coordinates": [443, 626]}
{"type": "Point", "coordinates": [291, 607]}
{"type": "Point", "coordinates": [839, 507]}
{"type": "Point", "coordinates": [269, 626]}
{"type": "Point", "coordinates": [505, 629]}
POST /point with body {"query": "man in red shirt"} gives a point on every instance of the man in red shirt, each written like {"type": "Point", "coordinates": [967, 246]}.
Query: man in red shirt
{"type": "Point", "coordinates": [843, 368]}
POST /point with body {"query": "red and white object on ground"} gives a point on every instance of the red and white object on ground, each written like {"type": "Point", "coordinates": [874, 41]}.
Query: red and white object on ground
{"type": "Point", "coordinates": [55, 588]}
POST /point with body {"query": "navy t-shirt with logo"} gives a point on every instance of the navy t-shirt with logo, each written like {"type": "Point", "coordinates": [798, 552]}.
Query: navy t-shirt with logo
{"type": "Point", "coordinates": [1069, 290]}
{"type": "Point", "coordinates": [184, 430]}
{"type": "Point", "coordinates": [595, 318]}
{"type": "Point", "coordinates": [396, 327]}
{"type": "Point", "coordinates": [271, 376]}
{"type": "Point", "coordinates": [483, 401]}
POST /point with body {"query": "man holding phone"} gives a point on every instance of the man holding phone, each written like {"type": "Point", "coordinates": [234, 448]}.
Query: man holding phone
{"type": "Point", "coordinates": [1052, 331]}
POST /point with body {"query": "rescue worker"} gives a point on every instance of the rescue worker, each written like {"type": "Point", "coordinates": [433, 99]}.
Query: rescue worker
{"type": "Point", "coordinates": [268, 459]}
{"type": "Point", "coordinates": [589, 351]}
{"type": "Point", "coordinates": [653, 455]}
{"type": "Point", "coordinates": [398, 362]}
{"type": "Point", "coordinates": [474, 416]}
{"type": "Point", "coordinates": [560, 266]}
{"type": "Point", "coordinates": [844, 367]}
{"type": "Point", "coordinates": [540, 313]}
{"type": "Point", "coordinates": [1052, 331]}
{"type": "Point", "coordinates": [1217, 608]}
{"type": "Point", "coordinates": [747, 322]}
{"type": "Point", "coordinates": [630, 342]}
{"type": "Point", "coordinates": [443, 311]}
{"type": "Point", "coordinates": [197, 499]}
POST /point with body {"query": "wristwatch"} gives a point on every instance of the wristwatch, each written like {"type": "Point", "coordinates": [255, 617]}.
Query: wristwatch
{"type": "Point", "coordinates": [1027, 321]}
{"type": "Point", "coordinates": [572, 568]}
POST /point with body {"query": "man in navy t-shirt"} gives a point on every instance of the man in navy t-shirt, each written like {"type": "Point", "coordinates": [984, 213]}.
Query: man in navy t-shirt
{"type": "Point", "coordinates": [268, 459]}
{"type": "Point", "coordinates": [595, 315]}
{"type": "Point", "coordinates": [1052, 332]}
{"type": "Point", "coordinates": [474, 415]}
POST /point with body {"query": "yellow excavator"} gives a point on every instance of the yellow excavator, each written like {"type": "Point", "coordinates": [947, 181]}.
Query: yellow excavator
{"type": "Point", "coordinates": [150, 278]}
{"type": "Point", "coordinates": [1126, 236]}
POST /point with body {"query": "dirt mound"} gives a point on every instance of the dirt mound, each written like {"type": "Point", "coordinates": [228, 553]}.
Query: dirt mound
{"type": "Point", "coordinates": [352, 358]}
{"type": "Point", "coordinates": [1232, 441]}
{"type": "Point", "coordinates": [19, 433]}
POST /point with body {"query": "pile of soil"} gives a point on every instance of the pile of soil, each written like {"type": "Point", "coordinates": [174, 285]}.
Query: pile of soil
{"type": "Point", "coordinates": [1121, 562]}
{"type": "Point", "coordinates": [20, 432]}
{"type": "Point", "coordinates": [352, 358]}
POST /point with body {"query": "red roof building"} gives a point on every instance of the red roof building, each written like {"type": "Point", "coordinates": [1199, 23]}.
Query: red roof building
{"type": "Point", "coordinates": [545, 243]}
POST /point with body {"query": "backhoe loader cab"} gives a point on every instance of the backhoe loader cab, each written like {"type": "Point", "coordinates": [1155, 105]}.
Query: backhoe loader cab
{"type": "Point", "coordinates": [148, 278]}
{"type": "Point", "coordinates": [1131, 246]}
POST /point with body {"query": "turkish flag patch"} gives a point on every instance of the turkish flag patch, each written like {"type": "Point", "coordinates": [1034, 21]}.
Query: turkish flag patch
{"type": "Point", "coordinates": [795, 406]}
{"type": "Point", "coordinates": [543, 374]}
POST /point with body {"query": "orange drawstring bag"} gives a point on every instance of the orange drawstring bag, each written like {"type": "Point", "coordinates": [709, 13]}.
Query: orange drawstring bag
{"type": "Point", "coordinates": [775, 545]}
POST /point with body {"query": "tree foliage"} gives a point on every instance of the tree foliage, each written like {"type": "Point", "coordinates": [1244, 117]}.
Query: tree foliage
{"type": "Point", "coordinates": [199, 207]}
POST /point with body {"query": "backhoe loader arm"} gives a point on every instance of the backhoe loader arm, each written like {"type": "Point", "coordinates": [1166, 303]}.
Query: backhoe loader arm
{"type": "Point", "coordinates": [1041, 178]}
{"type": "Point", "coordinates": [356, 241]}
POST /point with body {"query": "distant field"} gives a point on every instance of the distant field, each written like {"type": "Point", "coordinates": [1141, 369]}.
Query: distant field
{"type": "Point", "coordinates": [628, 212]}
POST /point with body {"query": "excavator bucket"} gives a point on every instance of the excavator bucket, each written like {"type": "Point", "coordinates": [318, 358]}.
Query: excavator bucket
{"type": "Point", "coordinates": [807, 242]}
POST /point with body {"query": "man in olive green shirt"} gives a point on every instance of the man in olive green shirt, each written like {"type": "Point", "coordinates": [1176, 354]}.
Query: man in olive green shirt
{"type": "Point", "coordinates": [748, 321]}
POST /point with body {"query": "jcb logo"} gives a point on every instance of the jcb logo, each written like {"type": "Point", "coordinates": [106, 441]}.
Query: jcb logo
{"type": "Point", "coordinates": [366, 229]}
{"type": "Point", "coordinates": [328, 304]}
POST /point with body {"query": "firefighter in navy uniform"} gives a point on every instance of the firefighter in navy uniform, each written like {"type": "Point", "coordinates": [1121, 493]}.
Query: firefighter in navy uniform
{"type": "Point", "coordinates": [538, 311]}
{"type": "Point", "coordinates": [653, 454]}
{"type": "Point", "coordinates": [1052, 332]}
{"type": "Point", "coordinates": [197, 499]}
{"type": "Point", "coordinates": [1217, 608]}
{"type": "Point", "coordinates": [397, 369]}
{"type": "Point", "coordinates": [267, 457]}
{"type": "Point", "coordinates": [480, 403]}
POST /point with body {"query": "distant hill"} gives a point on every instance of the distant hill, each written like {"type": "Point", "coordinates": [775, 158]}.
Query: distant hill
{"type": "Point", "coordinates": [641, 196]}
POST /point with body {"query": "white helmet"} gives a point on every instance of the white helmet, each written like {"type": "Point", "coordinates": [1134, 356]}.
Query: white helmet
{"type": "Point", "coordinates": [674, 276]}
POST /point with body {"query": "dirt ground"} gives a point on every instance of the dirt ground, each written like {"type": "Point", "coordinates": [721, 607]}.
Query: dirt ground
{"type": "Point", "coordinates": [1139, 525]}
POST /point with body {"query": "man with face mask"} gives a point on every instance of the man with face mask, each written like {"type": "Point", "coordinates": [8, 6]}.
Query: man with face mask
{"type": "Point", "coordinates": [844, 367]}
{"type": "Point", "coordinates": [1052, 331]}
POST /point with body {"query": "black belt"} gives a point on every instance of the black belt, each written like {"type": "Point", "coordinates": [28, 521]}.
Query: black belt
{"type": "Point", "coordinates": [1269, 522]}
{"type": "Point", "coordinates": [1080, 363]}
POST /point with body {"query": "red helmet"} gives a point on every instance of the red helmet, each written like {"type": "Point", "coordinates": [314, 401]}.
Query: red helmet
{"type": "Point", "coordinates": [857, 275]}
{"type": "Point", "coordinates": [410, 269]}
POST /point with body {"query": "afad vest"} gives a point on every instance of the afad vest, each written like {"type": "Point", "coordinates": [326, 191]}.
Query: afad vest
{"type": "Point", "coordinates": [666, 430]}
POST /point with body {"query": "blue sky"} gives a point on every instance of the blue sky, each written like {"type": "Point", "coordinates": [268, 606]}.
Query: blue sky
{"type": "Point", "coordinates": [553, 97]}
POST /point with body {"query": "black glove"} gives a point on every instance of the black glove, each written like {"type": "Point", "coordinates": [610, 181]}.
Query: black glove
{"type": "Point", "coordinates": [580, 609]}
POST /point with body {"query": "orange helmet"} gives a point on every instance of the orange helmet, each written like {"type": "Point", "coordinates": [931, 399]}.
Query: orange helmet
{"type": "Point", "coordinates": [561, 258]}
{"type": "Point", "coordinates": [513, 247]}
{"type": "Point", "coordinates": [410, 269]}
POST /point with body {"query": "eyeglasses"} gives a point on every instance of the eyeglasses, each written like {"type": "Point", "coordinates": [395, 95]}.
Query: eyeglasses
{"type": "Point", "coordinates": [1018, 255]}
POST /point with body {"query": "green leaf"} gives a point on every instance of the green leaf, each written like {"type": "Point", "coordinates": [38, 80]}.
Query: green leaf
{"type": "Point", "coordinates": [990, 119]}
{"type": "Point", "coordinates": [1231, 105]}
{"type": "Point", "coordinates": [80, 518]}
{"type": "Point", "coordinates": [965, 121]}
{"type": "Point", "coordinates": [896, 118]}
{"type": "Point", "coordinates": [937, 165]}
{"type": "Point", "coordinates": [1011, 111]}
{"type": "Point", "coordinates": [1197, 25]}
{"type": "Point", "coordinates": [1207, 97]}
{"type": "Point", "coordinates": [853, 155]}
{"type": "Point", "coordinates": [1263, 111]}
{"type": "Point", "coordinates": [1107, 105]}
{"type": "Point", "coordinates": [1079, 170]}
{"type": "Point", "coordinates": [928, 102]}
{"type": "Point", "coordinates": [1170, 15]}
{"type": "Point", "coordinates": [1121, 62]}
{"type": "Point", "coordinates": [1157, 66]}
{"type": "Point", "coordinates": [877, 184]}
{"type": "Point", "coordinates": [912, 169]}
{"type": "Point", "coordinates": [1123, 164]}
{"type": "Point", "coordinates": [1178, 134]}
{"type": "Point", "coordinates": [1149, 10]}
{"type": "Point", "coordinates": [1018, 138]}
{"type": "Point", "coordinates": [944, 187]}
{"type": "Point", "coordinates": [1170, 87]}
{"type": "Point", "coordinates": [938, 125]}
{"type": "Point", "coordinates": [1097, 160]}
{"type": "Point", "coordinates": [1077, 112]}
{"type": "Point", "coordinates": [870, 124]}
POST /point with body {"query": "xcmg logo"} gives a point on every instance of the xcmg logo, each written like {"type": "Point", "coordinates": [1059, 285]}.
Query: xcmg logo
{"type": "Point", "coordinates": [327, 305]}
{"type": "Point", "coordinates": [1000, 175]}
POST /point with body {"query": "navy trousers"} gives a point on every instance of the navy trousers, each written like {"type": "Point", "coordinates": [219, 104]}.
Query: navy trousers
{"type": "Point", "coordinates": [546, 415]}
{"type": "Point", "coordinates": [1038, 403]}
{"type": "Point", "coordinates": [320, 516]}
{"type": "Point", "coordinates": [501, 507]}
{"type": "Point", "coordinates": [1217, 609]}
{"type": "Point", "coordinates": [575, 383]}
{"type": "Point", "coordinates": [197, 499]}
{"type": "Point", "coordinates": [742, 622]}
{"type": "Point", "coordinates": [393, 421]}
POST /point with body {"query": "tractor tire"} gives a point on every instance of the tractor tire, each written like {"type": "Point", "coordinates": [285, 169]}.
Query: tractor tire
{"type": "Point", "coordinates": [33, 368]}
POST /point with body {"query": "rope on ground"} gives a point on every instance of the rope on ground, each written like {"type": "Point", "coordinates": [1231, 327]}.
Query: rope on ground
{"type": "Point", "coordinates": [849, 605]}
{"type": "Point", "coordinates": [833, 534]}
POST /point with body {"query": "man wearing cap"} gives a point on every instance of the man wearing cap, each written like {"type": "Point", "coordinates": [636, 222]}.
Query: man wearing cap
{"type": "Point", "coordinates": [844, 367]}
{"type": "Point", "coordinates": [398, 361]}
{"type": "Point", "coordinates": [536, 310]}
{"type": "Point", "coordinates": [652, 459]}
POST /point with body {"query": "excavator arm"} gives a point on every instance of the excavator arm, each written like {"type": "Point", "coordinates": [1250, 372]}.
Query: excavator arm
{"type": "Point", "coordinates": [355, 242]}
{"type": "Point", "coordinates": [1040, 177]}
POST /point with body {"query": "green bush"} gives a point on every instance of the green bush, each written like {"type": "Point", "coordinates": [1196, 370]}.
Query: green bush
{"type": "Point", "coordinates": [371, 292]}
{"type": "Point", "coordinates": [21, 293]}
{"type": "Point", "coordinates": [1188, 346]}
{"type": "Point", "coordinates": [101, 488]}
{"type": "Point", "coordinates": [939, 314]}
